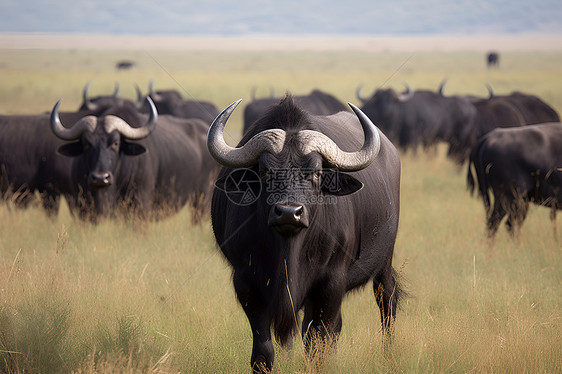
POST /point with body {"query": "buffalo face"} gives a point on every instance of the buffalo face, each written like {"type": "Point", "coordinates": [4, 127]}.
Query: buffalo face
{"type": "Point", "coordinates": [99, 143]}
{"type": "Point", "coordinates": [293, 193]}
{"type": "Point", "coordinates": [291, 166]}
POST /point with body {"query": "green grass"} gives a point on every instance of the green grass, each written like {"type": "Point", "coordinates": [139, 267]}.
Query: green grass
{"type": "Point", "coordinates": [117, 297]}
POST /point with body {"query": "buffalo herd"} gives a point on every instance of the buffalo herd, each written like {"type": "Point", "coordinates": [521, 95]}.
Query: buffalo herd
{"type": "Point", "coordinates": [305, 208]}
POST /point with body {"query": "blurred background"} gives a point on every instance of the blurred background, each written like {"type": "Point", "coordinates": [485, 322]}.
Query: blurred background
{"type": "Point", "coordinates": [290, 17]}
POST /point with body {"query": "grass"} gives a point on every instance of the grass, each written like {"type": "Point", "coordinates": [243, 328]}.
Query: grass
{"type": "Point", "coordinates": [119, 298]}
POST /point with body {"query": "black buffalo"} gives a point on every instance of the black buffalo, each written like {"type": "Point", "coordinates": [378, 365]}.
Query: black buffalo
{"type": "Point", "coordinates": [100, 103]}
{"type": "Point", "coordinates": [499, 111]}
{"type": "Point", "coordinates": [171, 102]}
{"type": "Point", "coordinates": [317, 102]}
{"type": "Point", "coordinates": [533, 109]}
{"type": "Point", "coordinates": [419, 117]}
{"type": "Point", "coordinates": [321, 222]}
{"type": "Point", "coordinates": [29, 162]}
{"type": "Point", "coordinates": [124, 65]}
{"type": "Point", "coordinates": [520, 165]}
{"type": "Point", "coordinates": [151, 170]}
{"type": "Point", "coordinates": [492, 59]}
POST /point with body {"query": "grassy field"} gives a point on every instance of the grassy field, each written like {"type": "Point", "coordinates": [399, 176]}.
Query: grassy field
{"type": "Point", "coordinates": [120, 298]}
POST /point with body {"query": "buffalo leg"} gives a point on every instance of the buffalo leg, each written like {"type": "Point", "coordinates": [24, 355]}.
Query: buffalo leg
{"type": "Point", "coordinates": [495, 217]}
{"type": "Point", "coordinates": [553, 221]}
{"type": "Point", "coordinates": [260, 323]}
{"type": "Point", "coordinates": [386, 295]}
{"type": "Point", "coordinates": [322, 320]}
{"type": "Point", "coordinates": [517, 215]}
{"type": "Point", "coordinates": [51, 203]}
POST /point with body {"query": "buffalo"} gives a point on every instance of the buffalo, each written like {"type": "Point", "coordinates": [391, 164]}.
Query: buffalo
{"type": "Point", "coordinates": [29, 161]}
{"type": "Point", "coordinates": [305, 209]}
{"type": "Point", "coordinates": [124, 65]}
{"type": "Point", "coordinates": [533, 109]}
{"type": "Point", "coordinates": [492, 59]}
{"type": "Point", "coordinates": [100, 103]}
{"type": "Point", "coordinates": [151, 170]}
{"type": "Point", "coordinates": [520, 165]}
{"type": "Point", "coordinates": [498, 111]}
{"type": "Point", "coordinates": [171, 102]}
{"type": "Point", "coordinates": [419, 117]}
{"type": "Point", "coordinates": [317, 102]}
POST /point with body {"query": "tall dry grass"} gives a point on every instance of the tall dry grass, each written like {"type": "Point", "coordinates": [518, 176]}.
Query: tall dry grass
{"type": "Point", "coordinates": [115, 297]}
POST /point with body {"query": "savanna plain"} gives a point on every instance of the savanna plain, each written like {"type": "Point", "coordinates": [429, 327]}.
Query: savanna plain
{"type": "Point", "coordinates": [122, 296]}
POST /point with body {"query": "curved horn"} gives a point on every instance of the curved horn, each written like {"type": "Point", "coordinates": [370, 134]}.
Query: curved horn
{"type": "Point", "coordinates": [358, 94]}
{"type": "Point", "coordinates": [152, 93]}
{"type": "Point", "coordinates": [140, 97]}
{"type": "Point", "coordinates": [490, 90]}
{"type": "Point", "coordinates": [406, 95]}
{"type": "Point", "coordinates": [87, 103]}
{"type": "Point", "coordinates": [344, 161]}
{"type": "Point", "coordinates": [253, 93]}
{"type": "Point", "coordinates": [114, 123]}
{"type": "Point", "coordinates": [442, 86]}
{"type": "Point", "coordinates": [116, 90]}
{"type": "Point", "coordinates": [247, 155]}
{"type": "Point", "coordinates": [87, 123]}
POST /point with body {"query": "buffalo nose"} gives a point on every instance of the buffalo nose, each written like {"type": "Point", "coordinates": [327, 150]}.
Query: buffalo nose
{"type": "Point", "coordinates": [288, 212]}
{"type": "Point", "coordinates": [100, 179]}
{"type": "Point", "coordinates": [288, 218]}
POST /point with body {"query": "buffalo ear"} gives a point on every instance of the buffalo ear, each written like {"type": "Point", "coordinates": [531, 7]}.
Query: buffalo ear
{"type": "Point", "coordinates": [71, 149]}
{"type": "Point", "coordinates": [339, 184]}
{"type": "Point", "coordinates": [132, 149]}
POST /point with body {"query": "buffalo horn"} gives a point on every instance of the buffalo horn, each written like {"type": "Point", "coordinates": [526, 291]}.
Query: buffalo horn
{"type": "Point", "coordinates": [358, 94]}
{"type": "Point", "coordinates": [114, 123]}
{"type": "Point", "coordinates": [314, 141]}
{"type": "Point", "coordinates": [490, 90]}
{"type": "Point", "coordinates": [140, 97]}
{"type": "Point", "coordinates": [406, 95]}
{"type": "Point", "coordinates": [89, 105]}
{"type": "Point", "coordinates": [442, 86]}
{"type": "Point", "coordinates": [151, 92]}
{"type": "Point", "coordinates": [87, 123]}
{"type": "Point", "coordinates": [93, 106]}
{"type": "Point", "coordinates": [247, 155]}
{"type": "Point", "coordinates": [116, 91]}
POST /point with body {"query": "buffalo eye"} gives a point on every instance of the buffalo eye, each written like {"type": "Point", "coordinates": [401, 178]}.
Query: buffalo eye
{"type": "Point", "coordinates": [314, 176]}
{"type": "Point", "coordinates": [86, 145]}
{"type": "Point", "coordinates": [115, 145]}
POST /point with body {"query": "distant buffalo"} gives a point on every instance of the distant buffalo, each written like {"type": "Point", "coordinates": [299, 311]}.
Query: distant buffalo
{"type": "Point", "coordinates": [124, 65]}
{"type": "Point", "coordinates": [171, 102]}
{"type": "Point", "coordinates": [30, 163]}
{"type": "Point", "coordinates": [122, 160]}
{"type": "Point", "coordinates": [499, 111]}
{"type": "Point", "coordinates": [317, 102]}
{"type": "Point", "coordinates": [519, 165]}
{"type": "Point", "coordinates": [419, 117]}
{"type": "Point", "coordinates": [99, 103]}
{"type": "Point", "coordinates": [492, 59]}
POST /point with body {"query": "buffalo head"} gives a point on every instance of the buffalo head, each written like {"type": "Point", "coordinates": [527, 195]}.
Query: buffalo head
{"type": "Point", "coordinates": [296, 169]}
{"type": "Point", "coordinates": [97, 143]}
